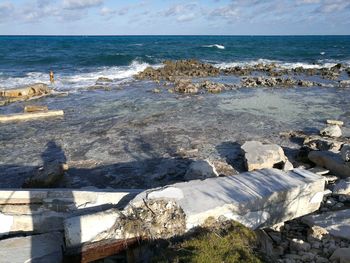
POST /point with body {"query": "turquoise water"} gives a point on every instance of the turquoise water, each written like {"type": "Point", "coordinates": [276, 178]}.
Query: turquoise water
{"type": "Point", "coordinates": [80, 60]}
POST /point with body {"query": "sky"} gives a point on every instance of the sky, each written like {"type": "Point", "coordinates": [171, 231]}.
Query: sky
{"type": "Point", "coordinates": [172, 17]}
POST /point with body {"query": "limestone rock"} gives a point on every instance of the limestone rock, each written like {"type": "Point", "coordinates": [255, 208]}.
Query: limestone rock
{"type": "Point", "coordinates": [342, 187]}
{"type": "Point", "coordinates": [35, 108]}
{"type": "Point", "coordinates": [335, 122]}
{"type": "Point", "coordinates": [331, 161]}
{"type": "Point", "coordinates": [260, 156]}
{"type": "Point", "coordinates": [341, 255]}
{"type": "Point", "coordinates": [185, 86]}
{"type": "Point", "coordinates": [331, 131]}
{"type": "Point", "coordinates": [345, 152]}
{"type": "Point", "coordinates": [46, 177]}
{"type": "Point", "coordinates": [337, 223]}
{"type": "Point", "coordinates": [201, 170]}
{"type": "Point", "coordinates": [103, 80]}
{"type": "Point", "coordinates": [39, 249]}
{"type": "Point", "coordinates": [317, 142]}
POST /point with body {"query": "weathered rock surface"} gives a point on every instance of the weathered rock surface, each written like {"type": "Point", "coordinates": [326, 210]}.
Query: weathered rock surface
{"type": "Point", "coordinates": [35, 108]}
{"type": "Point", "coordinates": [341, 255]}
{"type": "Point", "coordinates": [201, 169]}
{"type": "Point", "coordinates": [331, 161]}
{"type": "Point", "coordinates": [260, 156]}
{"type": "Point", "coordinates": [342, 187]}
{"type": "Point", "coordinates": [186, 86]}
{"type": "Point", "coordinates": [28, 92]}
{"type": "Point", "coordinates": [337, 223]}
{"type": "Point", "coordinates": [335, 122]}
{"type": "Point", "coordinates": [39, 249]}
{"type": "Point", "coordinates": [317, 142]}
{"type": "Point", "coordinates": [181, 68]}
{"type": "Point", "coordinates": [332, 131]}
{"type": "Point", "coordinates": [345, 152]}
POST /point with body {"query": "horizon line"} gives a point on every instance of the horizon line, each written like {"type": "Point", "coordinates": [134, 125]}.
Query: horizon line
{"type": "Point", "coordinates": [130, 35]}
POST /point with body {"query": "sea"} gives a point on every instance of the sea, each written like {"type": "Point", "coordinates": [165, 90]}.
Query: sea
{"type": "Point", "coordinates": [78, 61]}
{"type": "Point", "coordinates": [130, 137]}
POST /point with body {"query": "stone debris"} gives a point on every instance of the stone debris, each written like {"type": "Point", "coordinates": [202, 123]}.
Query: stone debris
{"type": "Point", "coordinates": [30, 116]}
{"type": "Point", "coordinates": [331, 161]}
{"type": "Point", "coordinates": [200, 170]}
{"type": "Point", "coordinates": [260, 156]}
{"type": "Point", "coordinates": [333, 131]}
{"type": "Point", "coordinates": [35, 108]}
{"type": "Point", "coordinates": [337, 223]}
{"type": "Point", "coordinates": [342, 187]}
{"type": "Point", "coordinates": [335, 122]}
{"type": "Point", "coordinates": [345, 152]}
{"type": "Point", "coordinates": [316, 142]}
{"type": "Point", "coordinates": [39, 248]}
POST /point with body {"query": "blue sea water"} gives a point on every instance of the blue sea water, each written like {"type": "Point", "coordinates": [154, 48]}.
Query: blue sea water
{"type": "Point", "coordinates": [79, 60]}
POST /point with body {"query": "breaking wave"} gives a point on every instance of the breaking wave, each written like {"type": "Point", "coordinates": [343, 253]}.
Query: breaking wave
{"type": "Point", "coordinates": [215, 45]}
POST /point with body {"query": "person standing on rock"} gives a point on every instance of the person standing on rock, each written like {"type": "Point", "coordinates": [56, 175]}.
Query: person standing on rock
{"type": "Point", "coordinates": [52, 77]}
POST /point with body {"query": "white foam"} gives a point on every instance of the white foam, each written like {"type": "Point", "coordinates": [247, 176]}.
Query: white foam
{"type": "Point", "coordinates": [283, 65]}
{"type": "Point", "coordinates": [215, 45]}
{"type": "Point", "coordinates": [64, 81]}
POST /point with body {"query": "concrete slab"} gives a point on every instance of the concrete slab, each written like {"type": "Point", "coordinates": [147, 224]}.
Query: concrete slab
{"type": "Point", "coordinates": [39, 249]}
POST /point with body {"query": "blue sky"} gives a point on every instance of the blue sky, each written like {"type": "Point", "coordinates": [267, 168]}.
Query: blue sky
{"type": "Point", "coordinates": [231, 17]}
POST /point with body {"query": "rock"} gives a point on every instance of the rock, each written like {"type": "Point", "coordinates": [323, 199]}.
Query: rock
{"type": "Point", "coordinates": [39, 249]}
{"type": "Point", "coordinates": [186, 86]}
{"type": "Point", "coordinates": [330, 161]}
{"type": "Point", "coordinates": [31, 116]}
{"type": "Point", "coordinates": [342, 187]}
{"type": "Point", "coordinates": [344, 83]}
{"type": "Point", "coordinates": [212, 87]}
{"type": "Point", "coordinates": [335, 122]}
{"type": "Point", "coordinates": [337, 223]}
{"type": "Point", "coordinates": [200, 170]}
{"type": "Point", "coordinates": [316, 233]}
{"type": "Point", "coordinates": [299, 245]}
{"type": "Point", "coordinates": [224, 168]}
{"type": "Point", "coordinates": [345, 152]}
{"type": "Point", "coordinates": [341, 255]}
{"type": "Point", "coordinates": [319, 170]}
{"type": "Point", "coordinates": [46, 177]}
{"type": "Point", "coordinates": [260, 156]}
{"type": "Point", "coordinates": [35, 108]}
{"type": "Point", "coordinates": [256, 199]}
{"type": "Point", "coordinates": [103, 80]}
{"type": "Point", "coordinates": [331, 131]}
{"type": "Point", "coordinates": [156, 90]}
{"type": "Point", "coordinates": [317, 142]}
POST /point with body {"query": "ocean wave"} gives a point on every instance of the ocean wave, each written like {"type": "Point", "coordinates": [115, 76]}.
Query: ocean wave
{"type": "Point", "coordinates": [282, 64]}
{"type": "Point", "coordinates": [215, 45]}
{"type": "Point", "coordinates": [67, 81]}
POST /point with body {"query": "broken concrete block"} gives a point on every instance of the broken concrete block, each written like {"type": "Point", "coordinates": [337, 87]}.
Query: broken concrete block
{"type": "Point", "coordinates": [35, 108]}
{"type": "Point", "coordinates": [30, 116]}
{"type": "Point", "coordinates": [201, 170]}
{"type": "Point", "coordinates": [39, 249]}
{"type": "Point", "coordinates": [260, 156]}
{"type": "Point", "coordinates": [331, 161]}
{"type": "Point", "coordinates": [29, 91]}
{"type": "Point", "coordinates": [255, 199]}
{"type": "Point", "coordinates": [41, 211]}
{"type": "Point", "coordinates": [331, 131]}
{"type": "Point", "coordinates": [337, 223]}
{"type": "Point", "coordinates": [335, 122]}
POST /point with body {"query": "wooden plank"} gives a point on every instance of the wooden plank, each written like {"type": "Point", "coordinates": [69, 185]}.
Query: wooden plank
{"type": "Point", "coordinates": [30, 116]}
{"type": "Point", "coordinates": [99, 250]}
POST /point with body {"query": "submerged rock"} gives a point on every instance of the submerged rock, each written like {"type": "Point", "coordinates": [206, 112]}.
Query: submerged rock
{"type": "Point", "coordinates": [260, 156]}
{"type": "Point", "coordinates": [186, 86]}
{"type": "Point", "coordinates": [103, 79]}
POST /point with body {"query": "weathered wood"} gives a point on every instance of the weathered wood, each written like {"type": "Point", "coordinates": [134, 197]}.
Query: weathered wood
{"type": "Point", "coordinates": [99, 250]}
{"type": "Point", "coordinates": [30, 116]}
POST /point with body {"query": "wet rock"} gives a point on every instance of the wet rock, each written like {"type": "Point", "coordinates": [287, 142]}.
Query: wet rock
{"type": "Point", "coordinates": [212, 87]}
{"type": "Point", "coordinates": [331, 131]}
{"type": "Point", "coordinates": [260, 156]}
{"type": "Point", "coordinates": [28, 92]}
{"type": "Point", "coordinates": [200, 170]}
{"type": "Point", "coordinates": [238, 71]}
{"type": "Point", "coordinates": [103, 80]}
{"type": "Point", "coordinates": [298, 244]}
{"type": "Point", "coordinates": [344, 83]}
{"type": "Point", "coordinates": [224, 168]}
{"type": "Point", "coordinates": [331, 161]}
{"type": "Point", "coordinates": [181, 68]}
{"type": "Point", "coordinates": [186, 86]}
{"type": "Point", "coordinates": [317, 142]}
{"type": "Point", "coordinates": [35, 108]}
{"type": "Point", "coordinates": [39, 248]}
{"type": "Point", "coordinates": [341, 255]}
{"type": "Point", "coordinates": [99, 87]}
{"type": "Point", "coordinates": [342, 187]}
{"type": "Point", "coordinates": [306, 83]}
{"type": "Point", "coordinates": [156, 90]}
{"type": "Point", "coordinates": [345, 152]}
{"type": "Point", "coordinates": [319, 170]}
{"type": "Point", "coordinates": [316, 233]}
{"type": "Point", "coordinates": [46, 177]}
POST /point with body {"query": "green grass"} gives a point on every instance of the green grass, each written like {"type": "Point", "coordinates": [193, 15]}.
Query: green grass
{"type": "Point", "coordinates": [229, 243]}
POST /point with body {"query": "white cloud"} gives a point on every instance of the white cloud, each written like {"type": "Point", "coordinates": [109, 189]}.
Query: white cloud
{"type": "Point", "coordinates": [186, 17]}
{"type": "Point", "coordinates": [6, 10]}
{"type": "Point", "coordinates": [81, 4]}
{"type": "Point", "coordinates": [106, 11]}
